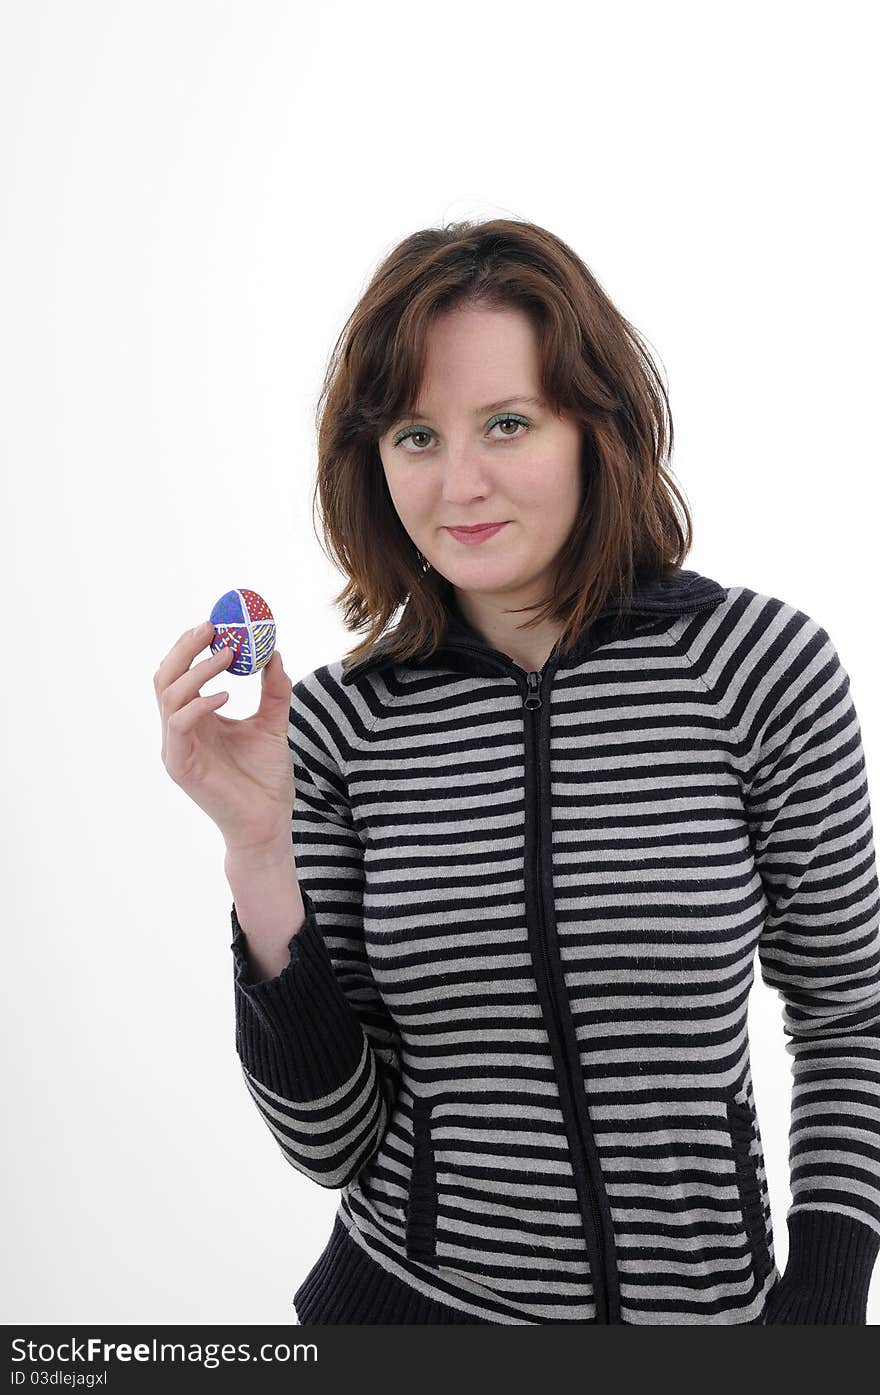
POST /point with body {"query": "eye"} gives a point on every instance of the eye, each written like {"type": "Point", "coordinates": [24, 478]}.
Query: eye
{"type": "Point", "coordinates": [414, 432]}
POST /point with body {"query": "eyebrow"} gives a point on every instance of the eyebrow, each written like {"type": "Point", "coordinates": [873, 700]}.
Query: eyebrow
{"type": "Point", "coordinates": [490, 406]}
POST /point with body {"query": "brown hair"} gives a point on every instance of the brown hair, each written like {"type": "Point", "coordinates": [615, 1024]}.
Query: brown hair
{"type": "Point", "coordinates": [594, 365]}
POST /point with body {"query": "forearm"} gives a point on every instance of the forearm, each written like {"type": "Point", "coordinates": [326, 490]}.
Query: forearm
{"type": "Point", "coordinates": [297, 1035]}
{"type": "Point", "coordinates": [268, 903]}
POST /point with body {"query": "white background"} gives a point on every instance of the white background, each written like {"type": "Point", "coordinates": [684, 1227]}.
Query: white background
{"type": "Point", "coordinates": [194, 195]}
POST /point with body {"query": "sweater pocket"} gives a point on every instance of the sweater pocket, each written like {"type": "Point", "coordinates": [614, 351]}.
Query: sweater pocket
{"type": "Point", "coordinates": [421, 1207]}
{"type": "Point", "coordinates": [491, 1192]}
{"type": "Point", "coordinates": [742, 1132]}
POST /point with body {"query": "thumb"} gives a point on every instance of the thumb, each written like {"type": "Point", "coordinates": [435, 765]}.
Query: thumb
{"type": "Point", "coordinates": [275, 691]}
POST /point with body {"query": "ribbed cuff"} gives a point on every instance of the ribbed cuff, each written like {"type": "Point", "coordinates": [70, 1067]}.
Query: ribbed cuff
{"type": "Point", "coordinates": [828, 1274]}
{"type": "Point", "coordinates": [296, 1033]}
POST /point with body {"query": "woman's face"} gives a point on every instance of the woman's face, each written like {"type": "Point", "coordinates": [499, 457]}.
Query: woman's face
{"type": "Point", "coordinates": [461, 461]}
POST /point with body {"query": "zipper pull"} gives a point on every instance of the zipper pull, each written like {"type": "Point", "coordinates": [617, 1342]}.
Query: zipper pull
{"type": "Point", "coordinates": [533, 698]}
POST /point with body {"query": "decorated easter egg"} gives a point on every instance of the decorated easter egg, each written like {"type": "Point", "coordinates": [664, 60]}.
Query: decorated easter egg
{"type": "Point", "coordinates": [244, 622]}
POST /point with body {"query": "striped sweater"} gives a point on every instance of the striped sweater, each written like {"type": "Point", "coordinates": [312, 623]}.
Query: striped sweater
{"type": "Point", "coordinates": [513, 1031]}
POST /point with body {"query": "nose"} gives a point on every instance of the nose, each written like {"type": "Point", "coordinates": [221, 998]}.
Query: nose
{"type": "Point", "coordinates": [465, 474]}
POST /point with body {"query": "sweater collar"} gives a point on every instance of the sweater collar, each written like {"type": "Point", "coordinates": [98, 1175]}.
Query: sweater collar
{"type": "Point", "coordinates": [683, 592]}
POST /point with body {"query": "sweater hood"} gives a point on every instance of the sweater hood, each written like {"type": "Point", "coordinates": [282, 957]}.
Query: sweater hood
{"type": "Point", "coordinates": [680, 593]}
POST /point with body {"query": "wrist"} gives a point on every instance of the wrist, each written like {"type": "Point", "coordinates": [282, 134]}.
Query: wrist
{"type": "Point", "coordinates": [259, 857]}
{"type": "Point", "coordinates": [828, 1274]}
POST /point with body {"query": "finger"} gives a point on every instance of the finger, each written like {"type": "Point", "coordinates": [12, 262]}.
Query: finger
{"type": "Point", "coordinates": [176, 746]}
{"type": "Point", "coordinates": [174, 693]}
{"type": "Point", "coordinates": [275, 691]}
{"type": "Point", "coordinates": [181, 722]}
{"type": "Point", "coordinates": [273, 673]}
{"type": "Point", "coordinates": [181, 655]}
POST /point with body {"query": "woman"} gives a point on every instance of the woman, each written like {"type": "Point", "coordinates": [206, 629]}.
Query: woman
{"type": "Point", "coordinates": [492, 981]}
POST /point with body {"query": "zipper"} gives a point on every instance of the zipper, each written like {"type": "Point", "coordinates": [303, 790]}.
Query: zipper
{"type": "Point", "coordinates": [569, 1089]}
{"type": "Point", "coordinates": [533, 702]}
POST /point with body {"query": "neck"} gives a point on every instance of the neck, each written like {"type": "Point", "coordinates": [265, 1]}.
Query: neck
{"type": "Point", "coordinates": [494, 623]}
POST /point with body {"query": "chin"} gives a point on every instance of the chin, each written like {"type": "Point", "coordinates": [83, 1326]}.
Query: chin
{"type": "Point", "coordinates": [478, 581]}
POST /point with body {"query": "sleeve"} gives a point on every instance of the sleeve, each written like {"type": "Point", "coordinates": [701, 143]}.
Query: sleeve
{"type": "Point", "coordinates": [318, 1047]}
{"type": "Point", "coordinates": [809, 817]}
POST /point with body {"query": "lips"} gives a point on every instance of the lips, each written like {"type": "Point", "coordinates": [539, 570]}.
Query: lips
{"type": "Point", "coordinates": [477, 532]}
